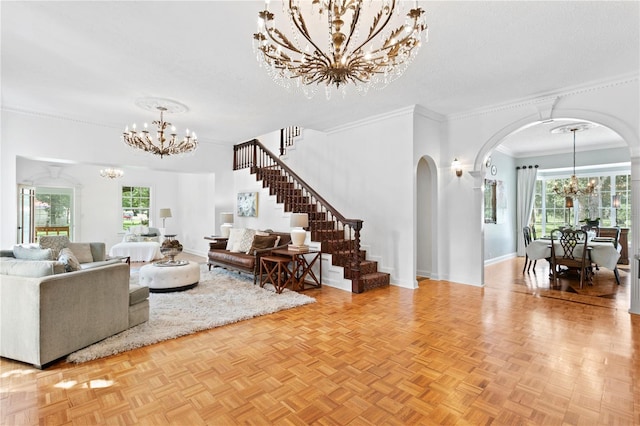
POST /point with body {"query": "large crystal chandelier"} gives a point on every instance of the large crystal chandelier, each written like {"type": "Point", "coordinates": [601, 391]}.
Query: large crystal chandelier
{"type": "Point", "coordinates": [338, 42]}
{"type": "Point", "coordinates": [573, 189]}
{"type": "Point", "coordinates": [164, 145]}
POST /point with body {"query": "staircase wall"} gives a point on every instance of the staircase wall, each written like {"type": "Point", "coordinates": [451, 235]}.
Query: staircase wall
{"type": "Point", "coordinates": [360, 168]}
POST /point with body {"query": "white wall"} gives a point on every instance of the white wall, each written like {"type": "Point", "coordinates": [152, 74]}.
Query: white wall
{"type": "Point", "coordinates": [366, 171]}
{"type": "Point", "coordinates": [195, 187]}
{"type": "Point", "coordinates": [500, 238]}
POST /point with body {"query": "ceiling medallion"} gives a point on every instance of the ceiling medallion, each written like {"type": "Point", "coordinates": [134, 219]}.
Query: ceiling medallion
{"type": "Point", "coordinates": [338, 43]}
{"type": "Point", "coordinates": [164, 144]}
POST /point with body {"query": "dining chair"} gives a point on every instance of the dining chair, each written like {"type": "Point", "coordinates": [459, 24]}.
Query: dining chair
{"type": "Point", "coordinates": [569, 248]}
{"type": "Point", "coordinates": [526, 232]}
{"type": "Point", "coordinates": [614, 234]}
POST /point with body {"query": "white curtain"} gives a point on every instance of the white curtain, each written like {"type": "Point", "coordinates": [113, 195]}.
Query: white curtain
{"type": "Point", "coordinates": [526, 185]}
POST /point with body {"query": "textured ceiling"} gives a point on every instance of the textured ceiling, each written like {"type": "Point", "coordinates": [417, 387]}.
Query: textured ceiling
{"type": "Point", "coordinates": [90, 61]}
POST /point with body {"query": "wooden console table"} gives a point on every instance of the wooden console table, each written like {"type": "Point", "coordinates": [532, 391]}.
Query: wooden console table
{"type": "Point", "coordinates": [623, 241]}
{"type": "Point", "coordinates": [302, 264]}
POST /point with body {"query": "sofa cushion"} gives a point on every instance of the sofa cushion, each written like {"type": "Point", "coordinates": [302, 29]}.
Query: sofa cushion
{"type": "Point", "coordinates": [241, 260]}
{"type": "Point", "coordinates": [82, 252]}
{"type": "Point", "coordinates": [30, 268]}
{"type": "Point", "coordinates": [31, 253]}
{"type": "Point", "coordinates": [137, 294]}
{"type": "Point", "coordinates": [262, 242]}
{"type": "Point", "coordinates": [234, 235]}
{"type": "Point", "coordinates": [70, 261]}
{"type": "Point", "coordinates": [244, 243]}
{"type": "Point", "coordinates": [54, 242]}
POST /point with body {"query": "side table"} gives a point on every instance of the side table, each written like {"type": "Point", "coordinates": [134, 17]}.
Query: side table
{"type": "Point", "coordinates": [303, 262]}
{"type": "Point", "coordinates": [277, 272]}
{"type": "Point", "coordinates": [217, 242]}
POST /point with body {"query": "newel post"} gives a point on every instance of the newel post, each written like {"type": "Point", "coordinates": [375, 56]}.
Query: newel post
{"type": "Point", "coordinates": [356, 286]}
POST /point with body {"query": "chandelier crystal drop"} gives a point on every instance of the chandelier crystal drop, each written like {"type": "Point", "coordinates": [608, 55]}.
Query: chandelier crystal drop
{"type": "Point", "coordinates": [164, 145]}
{"type": "Point", "coordinates": [338, 43]}
{"type": "Point", "coordinates": [111, 173]}
{"type": "Point", "coordinates": [573, 189]}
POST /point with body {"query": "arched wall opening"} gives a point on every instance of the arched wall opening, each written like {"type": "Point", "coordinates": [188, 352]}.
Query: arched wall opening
{"type": "Point", "coordinates": [426, 219]}
{"type": "Point", "coordinates": [623, 130]}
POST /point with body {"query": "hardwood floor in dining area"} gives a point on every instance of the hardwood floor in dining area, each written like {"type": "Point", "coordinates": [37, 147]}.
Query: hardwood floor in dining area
{"type": "Point", "coordinates": [512, 352]}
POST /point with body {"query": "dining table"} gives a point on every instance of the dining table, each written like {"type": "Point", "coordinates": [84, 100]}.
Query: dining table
{"type": "Point", "coordinates": [602, 252]}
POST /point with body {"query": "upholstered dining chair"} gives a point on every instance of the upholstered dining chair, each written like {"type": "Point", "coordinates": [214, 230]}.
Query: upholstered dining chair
{"type": "Point", "coordinates": [614, 234]}
{"type": "Point", "coordinates": [526, 232]}
{"type": "Point", "coordinates": [569, 248]}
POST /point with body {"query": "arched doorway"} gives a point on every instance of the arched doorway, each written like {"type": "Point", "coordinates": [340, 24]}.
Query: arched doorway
{"type": "Point", "coordinates": [426, 219]}
{"type": "Point", "coordinates": [628, 145]}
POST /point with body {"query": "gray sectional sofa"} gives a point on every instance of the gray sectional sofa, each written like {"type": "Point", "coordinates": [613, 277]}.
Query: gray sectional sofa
{"type": "Point", "coordinates": [47, 313]}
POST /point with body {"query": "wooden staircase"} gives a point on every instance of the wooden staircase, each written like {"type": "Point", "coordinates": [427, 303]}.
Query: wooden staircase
{"type": "Point", "coordinates": [337, 235]}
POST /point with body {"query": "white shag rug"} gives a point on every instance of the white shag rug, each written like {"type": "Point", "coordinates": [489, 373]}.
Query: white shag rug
{"type": "Point", "coordinates": [220, 298]}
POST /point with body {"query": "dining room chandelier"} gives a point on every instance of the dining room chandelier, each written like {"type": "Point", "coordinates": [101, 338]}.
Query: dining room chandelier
{"type": "Point", "coordinates": [572, 188]}
{"type": "Point", "coordinates": [111, 173]}
{"type": "Point", "coordinates": [338, 42]}
{"type": "Point", "coordinates": [163, 145]}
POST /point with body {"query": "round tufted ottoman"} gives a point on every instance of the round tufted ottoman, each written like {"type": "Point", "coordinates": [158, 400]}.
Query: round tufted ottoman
{"type": "Point", "coordinates": [170, 278]}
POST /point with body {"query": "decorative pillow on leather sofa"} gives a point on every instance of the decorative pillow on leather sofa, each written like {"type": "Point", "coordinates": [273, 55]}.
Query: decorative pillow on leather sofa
{"type": "Point", "coordinates": [70, 261]}
{"type": "Point", "coordinates": [82, 252]}
{"type": "Point", "coordinates": [262, 242]}
{"type": "Point", "coordinates": [31, 253]}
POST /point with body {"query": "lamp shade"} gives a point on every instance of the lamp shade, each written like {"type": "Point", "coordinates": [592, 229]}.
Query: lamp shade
{"type": "Point", "coordinates": [164, 213]}
{"type": "Point", "coordinates": [615, 201]}
{"type": "Point", "coordinates": [299, 220]}
{"type": "Point", "coordinates": [226, 217]}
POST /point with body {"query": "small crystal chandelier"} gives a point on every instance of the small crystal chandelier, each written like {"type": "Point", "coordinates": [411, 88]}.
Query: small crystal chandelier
{"type": "Point", "coordinates": [572, 189]}
{"type": "Point", "coordinates": [111, 173]}
{"type": "Point", "coordinates": [361, 47]}
{"type": "Point", "coordinates": [162, 146]}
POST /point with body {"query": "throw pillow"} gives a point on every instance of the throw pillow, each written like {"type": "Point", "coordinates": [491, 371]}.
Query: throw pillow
{"type": "Point", "coordinates": [70, 261]}
{"type": "Point", "coordinates": [244, 244]}
{"type": "Point", "coordinates": [54, 242]}
{"type": "Point", "coordinates": [31, 253]}
{"type": "Point", "coordinates": [262, 242]}
{"type": "Point", "coordinates": [234, 235]}
{"type": "Point", "coordinates": [82, 251]}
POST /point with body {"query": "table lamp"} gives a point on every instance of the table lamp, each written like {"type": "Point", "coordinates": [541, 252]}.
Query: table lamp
{"type": "Point", "coordinates": [299, 221]}
{"type": "Point", "coordinates": [227, 224]}
{"type": "Point", "coordinates": [164, 214]}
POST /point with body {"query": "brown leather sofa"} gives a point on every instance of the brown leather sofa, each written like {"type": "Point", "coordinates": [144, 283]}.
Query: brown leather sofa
{"type": "Point", "coordinates": [219, 256]}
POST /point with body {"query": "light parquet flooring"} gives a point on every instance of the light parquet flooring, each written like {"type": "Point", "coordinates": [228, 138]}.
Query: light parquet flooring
{"type": "Point", "coordinates": [442, 354]}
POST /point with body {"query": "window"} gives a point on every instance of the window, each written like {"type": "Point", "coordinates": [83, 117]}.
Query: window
{"type": "Point", "coordinates": [135, 206]}
{"type": "Point", "coordinates": [52, 211]}
{"type": "Point", "coordinates": [550, 211]}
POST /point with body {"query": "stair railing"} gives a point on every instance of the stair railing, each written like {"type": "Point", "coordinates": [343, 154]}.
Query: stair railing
{"type": "Point", "coordinates": [298, 196]}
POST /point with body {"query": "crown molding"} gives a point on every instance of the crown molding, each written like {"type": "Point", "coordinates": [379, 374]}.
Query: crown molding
{"type": "Point", "coordinates": [542, 101]}
{"type": "Point", "coordinates": [373, 119]}
{"type": "Point", "coordinates": [39, 114]}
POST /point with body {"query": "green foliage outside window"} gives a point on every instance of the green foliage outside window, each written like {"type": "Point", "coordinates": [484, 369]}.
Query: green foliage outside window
{"type": "Point", "coordinates": [136, 201]}
{"type": "Point", "coordinates": [550, 211]}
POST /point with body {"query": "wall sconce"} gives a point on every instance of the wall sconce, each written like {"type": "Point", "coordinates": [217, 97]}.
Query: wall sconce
{"type": "Point", "coordinates": [457, 166]}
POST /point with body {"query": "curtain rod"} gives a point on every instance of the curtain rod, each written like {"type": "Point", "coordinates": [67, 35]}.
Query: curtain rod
{"type": "Point", "coordinates": [524, 167]}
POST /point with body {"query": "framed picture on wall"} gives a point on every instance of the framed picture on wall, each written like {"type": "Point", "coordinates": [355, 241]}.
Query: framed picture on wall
{"type": "Point", "coordinates": [490, 201]}
{"type": "Point", "coordinates": [247, 205]}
